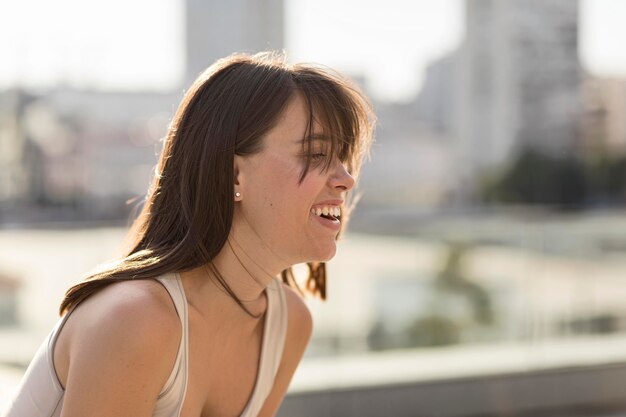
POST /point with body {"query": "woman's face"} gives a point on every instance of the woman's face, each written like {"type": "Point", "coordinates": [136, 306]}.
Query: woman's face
{"type": "Point", "coordinates": [279, 210]}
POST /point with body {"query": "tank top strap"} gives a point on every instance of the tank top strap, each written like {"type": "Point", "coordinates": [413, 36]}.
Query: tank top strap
{"type": "Point", "coordinates": [174, 286]}
{"type": "Point", "coordinates": [277, 328]}
{"type": "Point", "coordinates": [273, 343]}
{"type": "Point", "coordinates": [170, 400]}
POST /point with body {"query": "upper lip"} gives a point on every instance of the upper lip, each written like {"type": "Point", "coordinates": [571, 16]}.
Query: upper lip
{"type": "Point", "coordinates": [336, 202]}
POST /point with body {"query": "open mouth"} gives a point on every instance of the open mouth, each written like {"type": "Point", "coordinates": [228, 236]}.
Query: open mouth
{"type": "Point", "coordinates": [332, 213]}
{"type": "Point", "coordinates": [331, 217]}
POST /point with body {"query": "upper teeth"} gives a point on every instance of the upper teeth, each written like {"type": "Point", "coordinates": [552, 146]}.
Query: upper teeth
{"type": "Point", "coordinates": [326, 210]}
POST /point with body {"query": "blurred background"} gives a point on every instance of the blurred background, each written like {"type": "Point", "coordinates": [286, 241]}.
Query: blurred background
{"type": "Point", "coordinates": [484, 272]}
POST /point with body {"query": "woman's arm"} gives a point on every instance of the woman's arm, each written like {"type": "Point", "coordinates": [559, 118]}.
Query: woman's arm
{"type": "Point", "coordinates": [121, 350]}
{"type": "Point", "coordinates": [299, 329]}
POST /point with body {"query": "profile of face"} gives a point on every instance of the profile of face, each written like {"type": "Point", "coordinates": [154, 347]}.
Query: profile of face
{"type": "Point", "coordinates": [279, 209]}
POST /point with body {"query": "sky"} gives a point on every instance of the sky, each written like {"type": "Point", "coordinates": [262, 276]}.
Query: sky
{"type": "Point", "coordinates": [389, 45]}
{"type": "Point", "coordinates": [94, 44]}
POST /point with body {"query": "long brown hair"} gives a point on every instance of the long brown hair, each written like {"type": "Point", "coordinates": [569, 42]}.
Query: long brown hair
{"type": "Point", "coordinates": [188, 209]}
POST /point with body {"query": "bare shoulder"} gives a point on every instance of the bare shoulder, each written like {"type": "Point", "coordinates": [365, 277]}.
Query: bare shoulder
{"type": "Point", "coordinates": [129, 307]}
{"type": "Point", "coordinates": [299, 316]}
{"type": "Point", "coordinates": [119, 350]}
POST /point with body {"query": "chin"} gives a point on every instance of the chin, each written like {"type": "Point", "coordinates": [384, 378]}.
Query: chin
{"type": "Point", "coordinates": [316, 249]}
{"type": "Point", "coordinates": [327, 253]}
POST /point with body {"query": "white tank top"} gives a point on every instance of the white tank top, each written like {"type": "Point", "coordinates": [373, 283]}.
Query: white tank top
{"type": "Point", "coordinates": [40, 393]}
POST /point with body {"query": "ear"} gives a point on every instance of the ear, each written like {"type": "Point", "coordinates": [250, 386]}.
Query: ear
{"type": "Point", "coordinates": [238, 177]}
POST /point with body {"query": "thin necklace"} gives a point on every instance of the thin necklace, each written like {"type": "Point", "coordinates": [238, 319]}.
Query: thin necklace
{"type": "Point", "coordinates": [243, 301]}
{"type": "Point", "coordinates": [219, 287]}
{"type": "Point", "coordinates": [241, 263]}
{"type": "Point", "coordinates": [248, 256]}
{"type": "Point", "coordinates": [249, 273]}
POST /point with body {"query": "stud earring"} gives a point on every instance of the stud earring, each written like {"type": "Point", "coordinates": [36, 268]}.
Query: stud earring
{"type": "Point", "coordinates": [237, 194]}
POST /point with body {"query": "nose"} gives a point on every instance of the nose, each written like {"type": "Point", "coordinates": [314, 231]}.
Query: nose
{"type": "Point", "coordinates": [341, 179]}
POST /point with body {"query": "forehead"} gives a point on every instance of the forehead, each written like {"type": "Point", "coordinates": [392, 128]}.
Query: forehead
{"type": "Point", "coordinates": [293, 122]}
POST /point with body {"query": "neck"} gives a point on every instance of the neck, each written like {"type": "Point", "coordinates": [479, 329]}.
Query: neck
{"type": "Point", "coordinates": [246, 271]}
{"type": "Point", "coordinates": [247, 268]}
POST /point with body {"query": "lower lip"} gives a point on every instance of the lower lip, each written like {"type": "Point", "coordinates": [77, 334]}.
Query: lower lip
{"type": "Point", "coordinates": [331, 224]}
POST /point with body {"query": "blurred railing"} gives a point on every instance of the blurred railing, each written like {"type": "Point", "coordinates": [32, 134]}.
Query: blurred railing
{"type": "Point", "coordinates": [576, 379]}
{"type": "Point", "coordinates": [589, 391]}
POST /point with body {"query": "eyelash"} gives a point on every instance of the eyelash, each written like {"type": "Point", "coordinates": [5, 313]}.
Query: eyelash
{"type": "Point", "coordinates": [318, 156]}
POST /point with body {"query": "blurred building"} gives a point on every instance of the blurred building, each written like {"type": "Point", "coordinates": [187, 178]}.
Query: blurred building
{"type": "Point", "coordinates": [78, 149]}
{"type": "Point", "coordinates": [13, 175]}
{"type": "Point", "coordinates": [436, 105]}
{"type": "Point", "coordinates": [521, 78]}
{"type": "Point", "coordinates": [217, 28]}
{"type": "Point", "coordinates": [95, 149]}
{"type": "Point", "coordinates": [411, 164]}
{"type": "Point", "coordinates": [514, 82]}
{"type": "Point", "coordinates": [604, 124]}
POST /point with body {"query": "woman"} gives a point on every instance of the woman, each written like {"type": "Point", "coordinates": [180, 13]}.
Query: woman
{"type": "Point", "coordinates": [194, 320]}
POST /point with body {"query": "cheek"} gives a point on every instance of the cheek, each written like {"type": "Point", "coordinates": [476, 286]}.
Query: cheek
{"type": "Point", "coordinates": [281, 177]}
{"type": "Point", "coordinates": [275, 191]}
{"type": "Point", "coordinates": [278, 199]}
